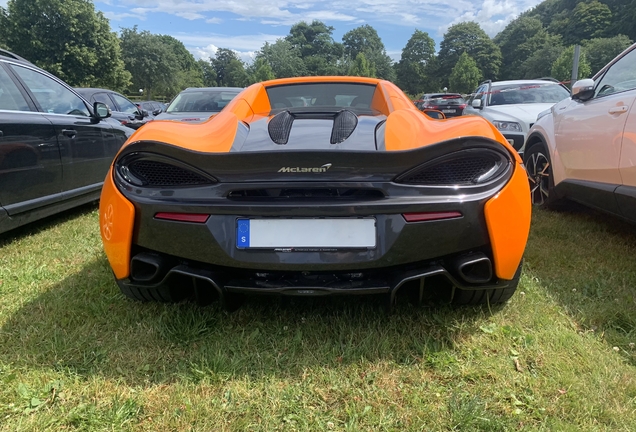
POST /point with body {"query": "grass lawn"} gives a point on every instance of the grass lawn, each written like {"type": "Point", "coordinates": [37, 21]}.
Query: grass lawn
{"type": "Point", "coordinates": [560, 356]}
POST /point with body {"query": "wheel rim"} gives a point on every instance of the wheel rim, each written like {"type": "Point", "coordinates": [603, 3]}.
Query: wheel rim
{"type": "Point", "coordinates": [538, 168]}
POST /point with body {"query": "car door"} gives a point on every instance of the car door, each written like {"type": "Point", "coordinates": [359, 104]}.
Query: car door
{"type": "Point", "coordinates": [589, 134]}
{"type": "Point", "coordinates": [84, 159]}
{"type": "Point", "coordinates": [30, 163]}
{"type": "Point", "coordinates": [127, 107]}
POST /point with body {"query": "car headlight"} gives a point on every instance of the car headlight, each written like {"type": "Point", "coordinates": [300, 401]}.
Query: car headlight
{"type": "Point", "coordinates": [505, 126]}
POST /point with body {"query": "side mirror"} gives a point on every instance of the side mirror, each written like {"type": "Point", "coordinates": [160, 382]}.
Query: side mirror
{"type": "Point", "coordinates": [583, 90]}
{"type": "Point", "coordinates": [156, 112]}
{"type": "Point", "coordinates": [476, 103]}
{"type": "Point", "coordinates": [144, 113]}
{"type": "Point", "coordinates": [438, 115]}
{"type": "Point", "coordinates": [101, 110]}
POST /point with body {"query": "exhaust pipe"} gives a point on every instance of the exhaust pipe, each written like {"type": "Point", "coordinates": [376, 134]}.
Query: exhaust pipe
{"type": "Point", "coordinates": [148, 267]}
{"type": "Point", "coordinates": [475, 268]}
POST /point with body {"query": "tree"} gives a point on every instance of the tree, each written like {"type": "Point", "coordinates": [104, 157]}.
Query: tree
{"type": "Point", "coordinates": [361, 67]}
{"type": "Point", "coordinates": [562, 67]}
{"type": "Point", "coordinates": [190, 74]}
{"type": "Point", "coordinates": [152, 63]}
{"type": "Point", "coordinates": [470, 38]}
{"type": "Point", "coordinates": [518, 41]}
{"type": "Point", "coordinates": [601, 51]}
{"type": "Point", "coordinates": [283, 58]}
{"type": "Point", "coordinates": [465, 75]}
{"type": "Point", "coordinates": [365, 40]}
{"type": "Point", "coordinates": [208, 73]}
{"type": "Point", "coordinates": [67, 38]}
{"type": "Point", "coordinates": [589, 20]}
{"type": "Point", "coordinates": [260, 70]}
{"type": "Point", "coordinates": [539, 63]}
{"type": "Point", "coordinates": [416, 57]}
{"type": "Point", "coordinates": [230, 70]}
{"type": "Point", "coordinates": [320, 53]}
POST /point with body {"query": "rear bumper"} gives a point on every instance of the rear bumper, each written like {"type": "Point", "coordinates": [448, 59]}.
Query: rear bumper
{"type": "Point", "coordinates": [169, 279]}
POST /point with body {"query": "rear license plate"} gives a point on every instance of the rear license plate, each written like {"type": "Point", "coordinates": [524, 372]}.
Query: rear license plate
{"type": "Point", "coordinates": [449, 111]}
{"type": "Point", "coordinates": [329, 233]}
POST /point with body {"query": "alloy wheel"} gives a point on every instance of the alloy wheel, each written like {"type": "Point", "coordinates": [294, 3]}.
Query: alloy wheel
{"type": "Point", "coordinates": [538, 167]}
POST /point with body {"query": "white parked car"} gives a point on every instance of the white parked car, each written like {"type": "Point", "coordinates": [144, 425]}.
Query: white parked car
{"type": "Point", "coordinates": [513, 106]}
{"type": "Point", "coordinates": [584, 147]}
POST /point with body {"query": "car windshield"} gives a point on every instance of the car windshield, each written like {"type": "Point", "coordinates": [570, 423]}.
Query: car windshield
{"type": "Point", "coordinates": [323, 95]}
{"type": "Point", "coordinates": [446, 99]}
{"type": "Point", "coordinates": [527, 93]}
{"type": "Point", "coordinates": [201, 101]}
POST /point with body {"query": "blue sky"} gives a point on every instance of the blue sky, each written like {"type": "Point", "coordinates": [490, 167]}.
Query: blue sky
{"type": "Point", "coordinates": [245, 25]}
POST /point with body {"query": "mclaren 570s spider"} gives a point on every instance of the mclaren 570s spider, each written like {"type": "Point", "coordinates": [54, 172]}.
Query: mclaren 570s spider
{"type": "Point", "coordinates": [317, 186]}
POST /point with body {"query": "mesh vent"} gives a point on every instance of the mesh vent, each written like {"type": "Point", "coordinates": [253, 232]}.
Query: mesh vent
{"type": "Point", "coordinates": [280, 126]}
{"type": "Point", "coordinates": [343, 126]}
{"type": "Point", "coordinates": [464, 170]}
{"type": "Point", "coordinates": [154, 173]}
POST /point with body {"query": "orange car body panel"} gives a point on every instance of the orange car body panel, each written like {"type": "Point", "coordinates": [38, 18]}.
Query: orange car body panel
{"type": "Point", "coordinates": [117, 218]}
{"type": "Point", "coordinates": [507, 214]}
{"type": "Point", "coordinates": [508, 218]}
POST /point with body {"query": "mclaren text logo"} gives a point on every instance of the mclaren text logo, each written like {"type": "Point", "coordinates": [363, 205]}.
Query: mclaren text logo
{"type": "Point", "coordinates": [321, 169]}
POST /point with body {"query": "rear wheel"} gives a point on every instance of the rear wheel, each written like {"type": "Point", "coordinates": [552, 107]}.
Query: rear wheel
{"type": "Point", "coordinates": [539, 169]}
{"type": "Point", "coordinates": [488, 296]}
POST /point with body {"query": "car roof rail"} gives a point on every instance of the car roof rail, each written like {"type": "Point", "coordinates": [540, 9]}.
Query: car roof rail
{"type": "Point", "coordinates": [485, 82]}
{"type": "Point", "coordinates": [7, 53]}
{"type": "Point", "coordinates": [548, 79]}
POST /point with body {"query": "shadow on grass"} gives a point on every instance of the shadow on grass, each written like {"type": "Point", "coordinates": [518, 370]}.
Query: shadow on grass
{"type": "Point", "coordinates": [586, 260]}
{"type": "Point", "coordinates": [84, 326]}
{"type": "Point", "coordinates": [40, 225]}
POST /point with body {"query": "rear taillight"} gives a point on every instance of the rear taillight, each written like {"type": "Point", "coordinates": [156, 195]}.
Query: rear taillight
{"type": "Point", "coordinates": [183, 217]}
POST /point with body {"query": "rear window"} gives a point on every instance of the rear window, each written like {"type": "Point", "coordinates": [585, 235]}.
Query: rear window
{"type": "Point", "coordinates": [201, 101]}
{"type": "Point", "coordinates": [321, 95]}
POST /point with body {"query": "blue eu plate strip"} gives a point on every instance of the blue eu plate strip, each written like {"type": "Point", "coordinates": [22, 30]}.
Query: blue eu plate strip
{"type": "Point", "coordinates": [243, 233]}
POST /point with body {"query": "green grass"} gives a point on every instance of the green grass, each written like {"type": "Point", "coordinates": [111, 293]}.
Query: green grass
{"type": "Point", "coordinates": [76, 355]}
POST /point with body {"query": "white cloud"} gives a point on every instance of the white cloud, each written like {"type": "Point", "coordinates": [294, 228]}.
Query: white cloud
{"type": "Point", "coordinates": [214, 20]}
{"type": "Point", "coordinates": [205, 46]}
{"type": "Point", "coordinates": [114, 16]}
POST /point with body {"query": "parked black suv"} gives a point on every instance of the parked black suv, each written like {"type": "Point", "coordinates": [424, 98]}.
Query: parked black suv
{"type": "Point", "coordinates": [123, 110]}
{"type": "Point", "coordinates": [55, 148]}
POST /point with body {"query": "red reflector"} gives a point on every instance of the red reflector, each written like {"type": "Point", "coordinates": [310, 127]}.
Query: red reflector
{"type": "Point", "coordinates": [462, 106]}
{"type": "Point", "coordinates": [420, 217]}
{"type": "Point", "coordinates": [183, 217]}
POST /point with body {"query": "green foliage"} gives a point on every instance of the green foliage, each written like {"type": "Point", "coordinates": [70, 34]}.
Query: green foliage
{"type": "Point", "coordinates": [361, 67]}
{"type": "Point", "coordinates": [208, 73]}
{"type": "Point", "coordinates": [320, 53]}
{"type": "Point", "coordinates": [465, 75]}
{"type": "Point", "coordinates": [590, 19]}
{"type": "Point", "coordinates": [518, 41]}
{"type": "Point", "coordinates": [190, 73]}
{"type": "Point", "coordinates": [469, 37]}
{"type": "Point", "coordinates": [152, 62]}
{"type": "Point", "coordinates": [260, 70]}
{"type": "Point", "coordinates": [601, 51]}
{"type": "Point", "coordinates": [365, 40]}
{"type": "Point", "coordinates": [562, 67]}
{"type": "Point", "coordinates": [230, 70]}
{"type": "Point", "coordinates": [539, 63]}
{"type": "Point", "coordinates": [413, 67]}
{"type": "Point", "coordinates": [283, 58]}
{"type": "Point", "coordinates": [67, 38]}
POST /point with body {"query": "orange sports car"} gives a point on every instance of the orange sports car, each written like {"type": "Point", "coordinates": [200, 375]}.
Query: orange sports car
{"type": "Point", "coordinates": [314, 186]}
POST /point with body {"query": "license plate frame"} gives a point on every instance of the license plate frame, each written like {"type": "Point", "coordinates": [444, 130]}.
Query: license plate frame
{"type": "Point", "coordinates": [306, 234]}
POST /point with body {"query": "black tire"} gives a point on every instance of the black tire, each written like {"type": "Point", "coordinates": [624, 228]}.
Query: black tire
{"type": "Point", "coordinates": [488, 296]}
{"type": "Point", "coordinates": [539, 169]}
